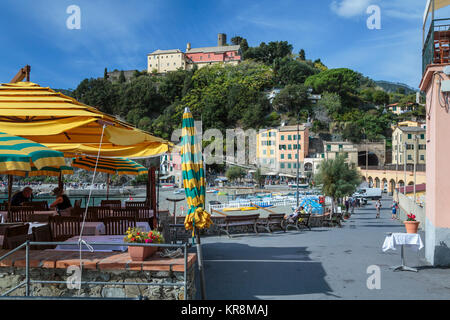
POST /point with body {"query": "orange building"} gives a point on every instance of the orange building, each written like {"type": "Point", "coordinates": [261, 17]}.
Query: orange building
{"type": "Point", "coordinates": [287, 139]}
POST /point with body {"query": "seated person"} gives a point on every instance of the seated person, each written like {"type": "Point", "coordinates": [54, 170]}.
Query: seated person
{"type": "Point", "coordinates": [22, 196]}
{"type": "Point", "coordinates": [62, 202]}
{"type": "Point", "coordinates": [294, 215]}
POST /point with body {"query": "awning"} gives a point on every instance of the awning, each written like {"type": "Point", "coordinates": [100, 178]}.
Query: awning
{"type": "Point", "coordinates": [438, 4]}
{"type": "Point", "coordinates": [166, 177]}
{"type": "Point", "coordinates": [271, 174]}
{"type": "Point", "coordinates": [109, 165]}
{"type": "Point", "coordinates": [286, 175]}
{"type": "Point", "coordinates": [64, 124]}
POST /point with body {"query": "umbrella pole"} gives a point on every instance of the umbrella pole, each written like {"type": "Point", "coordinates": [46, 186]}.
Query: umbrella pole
{"type": "Point", "coordinates": [60, 183]}
{"type": "Point", "coordinates": [107, 186]}
{"type": "Point", "coordinates": [200, 265]}
{"type": "Point", "coordinates": [10, 182]}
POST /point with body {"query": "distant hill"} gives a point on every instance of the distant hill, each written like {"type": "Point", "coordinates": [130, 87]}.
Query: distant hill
{"type": "Point", "coordinates": [394, 86]}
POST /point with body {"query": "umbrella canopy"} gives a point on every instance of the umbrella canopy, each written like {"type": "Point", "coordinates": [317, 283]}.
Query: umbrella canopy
{"type": "Point", "coordinates": [110, 165]}
{"type": "Point", "coordinates": [64, 124]}
{"type": "Point", "coordinates": [193, 176]}
{"type": "Point", "coordinates": [19, 155]}
{"type": "Point", "coordinates": [45, 171]}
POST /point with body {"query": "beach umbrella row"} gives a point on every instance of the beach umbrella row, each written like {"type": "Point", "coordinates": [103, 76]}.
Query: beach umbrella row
{"type": "Point", "coordinates": [20, 156]}
{"type": "Point", "coordinates": [110, 166]}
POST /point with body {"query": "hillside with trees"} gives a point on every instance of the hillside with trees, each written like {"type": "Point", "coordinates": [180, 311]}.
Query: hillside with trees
{"type": "Point", "coordinates": [351, 105]}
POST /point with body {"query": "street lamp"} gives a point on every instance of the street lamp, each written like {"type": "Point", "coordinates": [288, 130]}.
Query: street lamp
{"type": "Point", "coordinates": [298, 158]}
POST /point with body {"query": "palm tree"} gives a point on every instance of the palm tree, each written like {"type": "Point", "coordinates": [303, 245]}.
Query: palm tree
{"type": "Point", "coordinates": [338, 178]}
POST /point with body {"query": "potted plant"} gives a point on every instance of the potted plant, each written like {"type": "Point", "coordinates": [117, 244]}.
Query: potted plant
{"type": "Point", "coordinates": [136, 235]}
{"type": "Point", "coordinates": [346, 215]}
{"type": "Point", "coordinates": [411, 224]}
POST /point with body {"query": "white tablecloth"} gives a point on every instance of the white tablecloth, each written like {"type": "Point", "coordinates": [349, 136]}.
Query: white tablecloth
{"type": "Point", "coordinates": [411, 240]}
{"type": "Point", "coordinates": [91, 241]}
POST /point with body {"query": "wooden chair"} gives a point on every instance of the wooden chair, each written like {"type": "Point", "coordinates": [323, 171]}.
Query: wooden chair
{"type": "Point", "coordinates": [77, 203]}
{"type": "Point", "coordinates": [144, 214]}
{"type": "Point", "coordinates": [125, 212]}
{"type": "Point", "coordinates": [135, 204]}
{"type": "Point", "coordinates": [37, 205]}
{"type": "Point", "coordinates": [4, 206]}
{"type": "Point", "coordinates": [90, 216]}
{"type": "Point", "coordinates": [111, 203]}
{"type": "Point", "coordinates": [42, 234]}
{"type": "Point", "coordinates": [118, 225]}
{"type": "Point", "coordinates": [39, 218]}
{"type": "Point", "coordinates": [15, 236]}
{"type": "Point", "coordinates": [103, 212]}
{"type": "Point", "coordinates": [4, 226]}
{"type": "Point", "coordinates": [64, 228]}
{"type": "Point", "coordinates": [20, 214]}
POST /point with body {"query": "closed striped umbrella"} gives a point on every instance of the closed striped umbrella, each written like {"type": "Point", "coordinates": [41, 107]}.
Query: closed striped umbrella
{"type": "Point", "coordinates": [193, 176]}
{"type": "Point", "coordinates": [18, 154]}
{"type": "Point", "coordinates": [194, 186]}
{"type": "Point", "coordinates": [110, 165]}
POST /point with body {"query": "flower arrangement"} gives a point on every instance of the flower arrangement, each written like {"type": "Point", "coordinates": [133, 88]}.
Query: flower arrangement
{"type": "Point", "coordinates": [411, 217]}
{"type": "Point", "coordinates": [136, 235]}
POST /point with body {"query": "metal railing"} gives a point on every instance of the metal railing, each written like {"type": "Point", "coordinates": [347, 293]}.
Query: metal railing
{"type": "Point", "coordinates": [28, 281]}
{"type": "Point", "coordinates": [437, 27]}
{"type": "Point", "coordinates": [393, 167]}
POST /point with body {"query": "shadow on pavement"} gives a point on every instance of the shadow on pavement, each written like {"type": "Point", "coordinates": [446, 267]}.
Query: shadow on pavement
{"type": "Point", "coordinates": [239, 271]}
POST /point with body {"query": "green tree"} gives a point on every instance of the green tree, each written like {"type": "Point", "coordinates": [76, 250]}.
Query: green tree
{"type": "Point", "coordinates": [234, 173]}
{"type": "Point", "coordinates": [267, 53]}
{"type": "Point", "coordinates": [288, 71]}
{"type": "Point", "coordinates": [259, 178]}
{"type": "Point", "coordinates": [98, 93]}
{"type": "Point", "coordinates": [302, 55]}
{"type": "Point", "coordinates": [344, 82]}
{"type": "Point", "coordinates": [122, 78]}
{"type": "Point", "coordinates": [292, 99]}
{"type": "Point", "coordinates": [338, 178]}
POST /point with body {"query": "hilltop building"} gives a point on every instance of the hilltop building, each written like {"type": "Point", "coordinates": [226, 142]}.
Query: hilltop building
{"type": "Point", "coordinates": [162, 61]}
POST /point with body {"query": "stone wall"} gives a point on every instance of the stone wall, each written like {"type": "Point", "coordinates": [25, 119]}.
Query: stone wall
{"type": "Point", "coordinates": [98, 267]}
{"type": "Point", "coordinates": [10, 277]}
{"type": "Point", "coordinates": [406, 206]}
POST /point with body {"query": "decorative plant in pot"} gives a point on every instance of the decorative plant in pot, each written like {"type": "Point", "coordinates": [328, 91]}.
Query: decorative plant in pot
{"type": "Point", "coordinates": [346, 215]}
{"type": "Point", "coordinates": [136, 235]}
{"type": "Point", "coordinates": [411, 224]}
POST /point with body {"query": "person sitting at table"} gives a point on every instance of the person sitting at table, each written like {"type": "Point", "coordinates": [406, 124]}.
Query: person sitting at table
{"type": "Point", "coordinates": [62, 202]}
{"type": "Point", "coordinates": [22, 196]}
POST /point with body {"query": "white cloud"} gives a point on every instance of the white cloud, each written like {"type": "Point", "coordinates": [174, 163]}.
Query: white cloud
{"type": "Point", "coordinates": [350, 8]}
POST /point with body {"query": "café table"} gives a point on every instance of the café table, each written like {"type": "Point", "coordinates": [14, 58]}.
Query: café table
{"type": "Point", "coordinates": [91, 240]}
{"type": "Point", "coordinates": [410, 240]}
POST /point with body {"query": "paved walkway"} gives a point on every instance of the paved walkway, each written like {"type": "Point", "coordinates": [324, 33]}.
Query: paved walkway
{"type": "Point", "coordinates": [325, 263]}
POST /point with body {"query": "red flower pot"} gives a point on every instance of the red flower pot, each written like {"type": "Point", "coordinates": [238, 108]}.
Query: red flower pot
{"type": "Point", "coordinates": [411, 226]}
{"type": "Point", "coordinates": [141, 253]}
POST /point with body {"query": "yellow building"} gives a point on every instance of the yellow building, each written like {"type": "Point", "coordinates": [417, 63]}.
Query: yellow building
{"type": "Point", "coordinates": [348, 149]}
{"type": "Point", "coordinates": [410, 143]}
{"type": "Point", "coordinates": [266, 148]}
{"type": "Point", "coordinates": [162, 61]}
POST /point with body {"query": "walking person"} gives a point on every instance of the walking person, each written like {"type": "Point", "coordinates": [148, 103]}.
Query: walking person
{"type": "Point", "coordinates": [394, 210]}
{"type": "Point", "coordinates": [353, 204]}
{"type": "Point", "coordinates": [378, 207]}
{"type": "Point", "coordinates": [347, 204]}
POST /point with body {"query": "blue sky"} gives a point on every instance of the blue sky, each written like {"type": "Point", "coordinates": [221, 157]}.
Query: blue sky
{"type": "Point", "coordinates": [119, 34]}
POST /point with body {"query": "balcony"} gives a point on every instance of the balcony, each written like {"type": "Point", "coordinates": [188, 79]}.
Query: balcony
{"type": "Point", "coordinates": [436, 48]}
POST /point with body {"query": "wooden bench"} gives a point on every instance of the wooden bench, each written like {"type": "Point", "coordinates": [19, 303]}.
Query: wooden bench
{"type": "Point", "coordinates": [300, 220]}
{"type": "Point", "coordinates": [334, 221]}
{"type": "Point", "coordinates": [235, 221]}
{"type": "Point", "coordinates": [271, 220]}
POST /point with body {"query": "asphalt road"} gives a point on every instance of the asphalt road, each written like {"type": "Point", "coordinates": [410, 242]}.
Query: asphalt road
{"type": "Point", "coordinates": [324, 263]}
